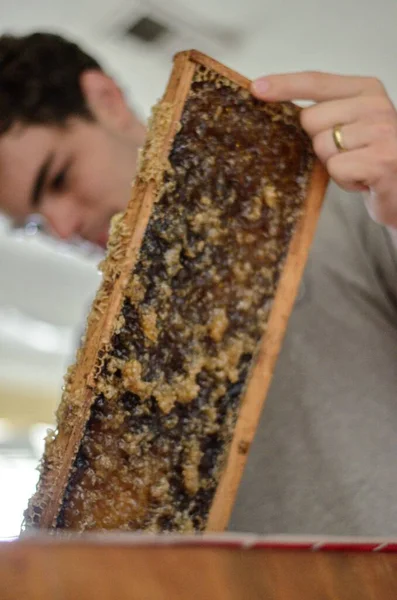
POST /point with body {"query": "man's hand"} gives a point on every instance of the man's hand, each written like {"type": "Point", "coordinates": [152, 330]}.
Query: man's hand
{"type": "Point", "coordinates": [367, 122]}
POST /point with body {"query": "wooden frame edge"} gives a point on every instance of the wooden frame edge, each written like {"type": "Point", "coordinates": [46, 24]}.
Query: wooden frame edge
{"type": "Point", "coordinates": [210, 63]}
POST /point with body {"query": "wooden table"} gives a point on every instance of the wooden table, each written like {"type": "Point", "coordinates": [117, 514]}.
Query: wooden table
{"type": "Point", "coordinates": [80, 570]}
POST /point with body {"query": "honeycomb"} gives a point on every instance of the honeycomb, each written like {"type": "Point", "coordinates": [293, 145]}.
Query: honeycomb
{"type": "Point", "coordinates": [168, 389]}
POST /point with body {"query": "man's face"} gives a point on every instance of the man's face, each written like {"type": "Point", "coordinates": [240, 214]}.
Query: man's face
{"type": "Point", "coordinates": [76, 176]}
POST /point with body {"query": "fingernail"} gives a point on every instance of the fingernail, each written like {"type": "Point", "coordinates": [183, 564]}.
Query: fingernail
{"type": "Point", "coordinates": [260, 86]}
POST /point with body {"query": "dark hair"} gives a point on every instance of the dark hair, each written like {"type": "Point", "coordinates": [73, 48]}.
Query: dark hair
{"type": "Point", "coordinates": [40, 80]}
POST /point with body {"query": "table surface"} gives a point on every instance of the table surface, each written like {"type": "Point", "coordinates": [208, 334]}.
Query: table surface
{"type": "Point", "coordinates": [32, 570]}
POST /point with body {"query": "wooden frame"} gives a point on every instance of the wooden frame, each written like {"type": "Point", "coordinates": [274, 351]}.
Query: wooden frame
{"type": "Point", "coordinates": [64, 448]}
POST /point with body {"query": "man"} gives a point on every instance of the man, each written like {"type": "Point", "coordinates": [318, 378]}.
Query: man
{"type": "Point", "coordinates": [69, 142]}
{"type": "Point", "coordinates": [323, 460]}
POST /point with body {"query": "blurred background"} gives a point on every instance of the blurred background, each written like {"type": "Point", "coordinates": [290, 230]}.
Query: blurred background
{"type": "Point", "coordinates": [46, 286]}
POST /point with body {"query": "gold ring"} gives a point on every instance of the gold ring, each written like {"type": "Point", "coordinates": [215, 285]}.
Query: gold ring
{"type": "Point", "coordinates": [338, 138]}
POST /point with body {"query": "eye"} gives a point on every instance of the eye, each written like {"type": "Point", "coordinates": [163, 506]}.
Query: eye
{"type": "Point", "coordinates": [59, 181]}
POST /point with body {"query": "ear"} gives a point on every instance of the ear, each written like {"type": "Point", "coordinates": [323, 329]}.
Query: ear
{"type": "Point", "coordinates": [105, 99]}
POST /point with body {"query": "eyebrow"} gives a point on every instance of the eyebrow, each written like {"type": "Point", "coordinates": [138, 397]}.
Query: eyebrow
{"type": "Point", "coordinates": [40, 180]}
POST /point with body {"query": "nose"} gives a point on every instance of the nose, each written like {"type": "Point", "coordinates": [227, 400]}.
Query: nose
{"type": "Point", "coordinates": [63, 217]}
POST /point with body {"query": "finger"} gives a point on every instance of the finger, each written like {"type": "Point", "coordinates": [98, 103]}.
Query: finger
{"type": "Point", "coordinates": [354, 136]}
{"type": "Point", "coordinates": [353, 170]}
{"type": "Point", "coordinates": [325, 115]}
{"type": "Point", "coordinates": [313, 85]}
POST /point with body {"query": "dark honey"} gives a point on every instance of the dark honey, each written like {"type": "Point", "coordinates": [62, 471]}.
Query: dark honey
{"type": "Point", "coordinates": [195, 309]}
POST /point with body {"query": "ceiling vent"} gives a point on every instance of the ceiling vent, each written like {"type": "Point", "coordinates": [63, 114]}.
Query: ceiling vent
{"type": "Point", "coordinates": [166, 28]}
{"type": "Point", "coordinates": [148, 29]}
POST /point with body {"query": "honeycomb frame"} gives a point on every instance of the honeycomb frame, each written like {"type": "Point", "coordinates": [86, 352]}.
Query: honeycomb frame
{"type": "Point", "coordinates": [125, 243]}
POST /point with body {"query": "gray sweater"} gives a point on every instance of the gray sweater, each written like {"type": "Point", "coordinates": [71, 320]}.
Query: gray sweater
{"type": "Point", "coordinates": [324, 460]}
